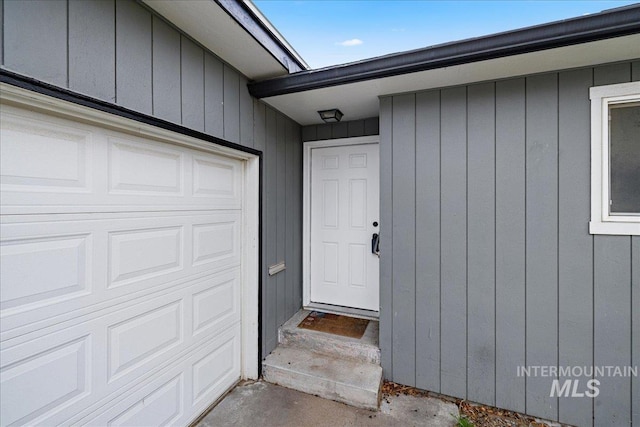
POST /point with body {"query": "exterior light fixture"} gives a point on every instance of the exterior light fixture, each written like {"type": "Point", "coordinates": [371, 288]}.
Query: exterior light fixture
{"type": "Point", "coordinates": [331, 116]}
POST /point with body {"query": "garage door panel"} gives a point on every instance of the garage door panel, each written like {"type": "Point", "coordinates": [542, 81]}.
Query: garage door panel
{"type": "Point", "coordinates": [215, 304]}
{"type": "Point", "coordinates": [162, 407]}
{"type": "Point", "coordinates": [43, 156]}
{"type": "Point", "coordinates": [216, 243]}
{"type": "Point", "coordinates": [150, 253]}
{"type": "Point", "coordinates": [25, 266]}
{"type": "Point", "coordinates": [140, 168]}
{"type": "Point", "coordinates": [121, 263]}
{"type": "Point", "coordinates": [139, 339]}
{"type": "Point", "coordinates": [212, 369]}
{"type": "Point", "coordinates": [216, 178]}
{"type": "Point", "coordinates": [70, 367]}
{"type": "Point", "coordinates": [53, 165]}
{"type": "Point", "coordinates": [128, 406]}
{"type": "Point", "coordinates": [139, 254]}
{"type": "Point", "coordinates": [51, 378]}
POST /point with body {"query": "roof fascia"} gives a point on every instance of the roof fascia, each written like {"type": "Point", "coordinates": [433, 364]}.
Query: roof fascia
{"type": "Point", "coordinates": [607, 24]}
{"type": "Point", "coordinates": [250, 18]}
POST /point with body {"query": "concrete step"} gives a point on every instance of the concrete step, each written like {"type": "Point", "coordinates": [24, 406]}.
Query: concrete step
{"type": "Point", "coordinates": [352, 382]}
{"type": "Point", "coordinates": [364, 349]}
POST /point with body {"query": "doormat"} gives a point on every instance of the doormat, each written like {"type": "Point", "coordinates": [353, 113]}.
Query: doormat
{"type": "Point", "coordinates": [335, 324]}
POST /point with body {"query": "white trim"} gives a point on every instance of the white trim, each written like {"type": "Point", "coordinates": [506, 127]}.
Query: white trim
{"type": "Point", "coordinates": [306, 203]}
{"type": "Point", "coordinates": [12, 95]}
{"type": "Point", "coordinates": [336, 309]}
{"type": "Point", "coordinates": [250, 269]}
{"type": "Point", "coordinates": [602, 222]}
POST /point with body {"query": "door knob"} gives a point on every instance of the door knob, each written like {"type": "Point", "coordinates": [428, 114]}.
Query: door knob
{"type": "Point", "coordinates": [375, 244]}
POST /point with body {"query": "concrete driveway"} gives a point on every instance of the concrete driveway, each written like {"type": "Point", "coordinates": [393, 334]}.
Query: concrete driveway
{"type": "Point", "coordinates": [260, 404]}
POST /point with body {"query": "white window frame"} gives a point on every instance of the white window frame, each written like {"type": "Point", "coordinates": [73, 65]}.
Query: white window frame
{"type": "Point", "coordinates": [602, 222]}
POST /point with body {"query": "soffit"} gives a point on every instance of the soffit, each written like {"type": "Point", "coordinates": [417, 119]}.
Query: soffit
{"type": "Point", "coordinates": [211, 26]}
{"type": "Point", "coordinates": [360, 100]}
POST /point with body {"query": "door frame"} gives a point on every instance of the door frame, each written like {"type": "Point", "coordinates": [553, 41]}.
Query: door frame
{"type": "Point", "coordinates": [306, 223]}
{"type": "Point", "coordinates": [62, 105]}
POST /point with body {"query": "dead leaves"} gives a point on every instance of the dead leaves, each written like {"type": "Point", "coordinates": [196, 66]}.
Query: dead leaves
{"type": "Point", "coordinates": [480, 415]}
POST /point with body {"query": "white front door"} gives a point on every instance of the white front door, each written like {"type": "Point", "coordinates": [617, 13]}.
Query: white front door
{"type": "Point", "coordinates": [344, 218]}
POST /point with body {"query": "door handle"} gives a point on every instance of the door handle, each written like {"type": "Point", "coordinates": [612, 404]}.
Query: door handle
{"type": "Point", "coordinates": [375, 244]}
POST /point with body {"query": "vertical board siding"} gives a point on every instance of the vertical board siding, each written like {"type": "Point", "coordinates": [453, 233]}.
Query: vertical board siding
{"type": "Point", "coordinates": [355, 128]}
{"type": "Point", "coordinates": [481, 244]}
{"type": "Point", "coordinates": [167, 91]}
{"type": "Point", "coordinates": [575, 244]}
{"type": "Point", "coordinates": [270, 205]}
{"type": "Point", "coordinates": [404, 185]}
{"type": "Point", "coordinates": [246, 115]}
{"type": "Point", "coordinates": [612, 296]}
{"type": "Point", "coordinates": [296, 261]}
{"type": "Point", "coordinates": [231, 104]}
{"type": "Point", "coordinates": [281, 216]}
{"type": "Point", "coordinates": [40, 53]}
{"type": "Point", "coordinates": [453, 241]}
{"type": "Point", "coordinates": [213, 96]}
{"type": "Point", "coordinates": [346, 129]}
{"type": "Point", "coordinates": [92, 52]}
{"type": "Point", "coordinates": [121, 52]}
{"type": "Point", "coordinates": [339, 130]}
{"type": "Point", "coordinates": [192, 84]}
{"type": "Point", "coordinates": [288, 214]}
{"type": "Point", "coordinates": [612, 327]}
{"type": "Point", "coordinates": [324, 132]}
{"type": "Point", "coordinates": [428, 240]}
{"type": "Point", "coordinates": [510, 243]}
{"type": "Point", "coordinates": [542, 238]}
{"type": "Point", "coordinates": [496, 266]}
{"type": "Point", "coordinates": [279, 138]}
{"type": "Point", "coordinates": [133, 57]}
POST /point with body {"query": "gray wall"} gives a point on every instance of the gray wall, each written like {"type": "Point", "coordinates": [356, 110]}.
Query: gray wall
{"type": "Point", "coordinates": [122, 53]}
{"type": "Point", "coordinates": [486, 259]}
{"type": "Point", "coordinates": [347, 129]}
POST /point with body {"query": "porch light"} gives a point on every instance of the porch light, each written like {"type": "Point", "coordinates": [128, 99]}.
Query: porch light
{"type": "Point", "coordinates": [331, 116]}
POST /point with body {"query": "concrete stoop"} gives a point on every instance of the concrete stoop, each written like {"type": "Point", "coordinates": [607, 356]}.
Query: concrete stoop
{"type": "Point", "coordinates": [339, 368]}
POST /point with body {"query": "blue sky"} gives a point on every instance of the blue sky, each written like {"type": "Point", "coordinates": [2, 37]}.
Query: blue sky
{"type": "Point", "coordinates": [329, 32]}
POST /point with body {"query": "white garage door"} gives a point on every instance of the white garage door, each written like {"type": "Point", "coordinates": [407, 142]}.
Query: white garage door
{"type": "Point", "coordinates": [121, 275]}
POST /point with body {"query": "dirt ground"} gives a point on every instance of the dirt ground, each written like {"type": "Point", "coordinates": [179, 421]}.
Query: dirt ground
{"type": "Point", "coordinates": [479, 415]}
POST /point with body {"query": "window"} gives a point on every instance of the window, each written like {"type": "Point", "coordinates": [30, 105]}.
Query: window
{"type": "Point", "coordinates": [615, 159]}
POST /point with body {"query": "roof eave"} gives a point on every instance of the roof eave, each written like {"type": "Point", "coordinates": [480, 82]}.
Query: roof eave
{"type": "Point", "coordinates": [257, 25]}
{"type": "Point", "coordinates": [608, 24]}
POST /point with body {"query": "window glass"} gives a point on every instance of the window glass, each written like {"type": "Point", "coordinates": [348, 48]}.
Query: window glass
{"type": "Point", "coordinates": [624, 157]}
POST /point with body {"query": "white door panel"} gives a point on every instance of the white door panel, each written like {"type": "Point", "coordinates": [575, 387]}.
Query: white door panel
{"type": "Point", "coordinates": [344, 206]}
{"type": "Point", "coordinates": [121, 275]}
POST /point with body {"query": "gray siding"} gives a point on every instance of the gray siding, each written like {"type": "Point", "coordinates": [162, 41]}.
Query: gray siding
{"type": "Point", "coordinates": [347, 129]}
{"type": "Point", "coordinates": [487, 263]}
{"type": "Point", "coordinates": [279, 138]}
{"type": "Point", "coordinates": [122, 53]}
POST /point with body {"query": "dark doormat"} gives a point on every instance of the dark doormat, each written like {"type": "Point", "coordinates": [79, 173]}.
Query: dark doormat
{"type": "Point", "coordinates": [335, 324]}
